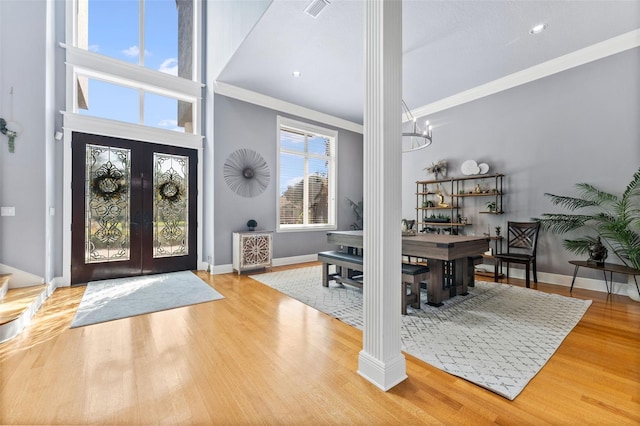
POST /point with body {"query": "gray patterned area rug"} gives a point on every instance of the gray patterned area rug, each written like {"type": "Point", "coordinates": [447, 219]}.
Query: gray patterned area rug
{"type": "Point", "coordinates": [109, 300]}
{"type": "Point", "coordinates": [498, 337]}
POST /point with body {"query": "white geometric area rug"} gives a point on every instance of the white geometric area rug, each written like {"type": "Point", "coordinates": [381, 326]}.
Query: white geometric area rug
{"type": "Point", "coordinates": [108, 300]}
{"type": "Point", "coordinates": [498, 337]}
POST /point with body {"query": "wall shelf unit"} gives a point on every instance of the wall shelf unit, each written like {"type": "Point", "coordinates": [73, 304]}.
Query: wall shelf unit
{"type": "Point", "coordinates": [439, 203]}
{"type": "Point", "coordinates": [440, 206]}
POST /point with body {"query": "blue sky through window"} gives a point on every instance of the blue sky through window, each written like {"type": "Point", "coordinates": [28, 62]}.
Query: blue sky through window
{"type": "Point", "coordinates": [292, 166]}
{"type": "Point", "coordinates": [113, 29]}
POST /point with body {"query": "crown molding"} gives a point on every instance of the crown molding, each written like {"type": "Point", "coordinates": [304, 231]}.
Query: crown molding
{"type": "Point", "coordinates": [612, 46]}
{"type": "Point", "coordinates": [256, 98]}
{"type": "Point", "coordinates": [583, 56]}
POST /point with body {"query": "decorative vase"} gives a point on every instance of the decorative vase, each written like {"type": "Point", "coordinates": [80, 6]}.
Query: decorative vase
{"type": "Point", "coordinates": [597, 253]}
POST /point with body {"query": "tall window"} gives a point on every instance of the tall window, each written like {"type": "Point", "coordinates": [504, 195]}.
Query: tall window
{"type": "Point", "coordinates": [306, 176]}
{"type": "Point", "coordinates": [156, 34]}
{"type": "Point", "coordinates": [158, 37]}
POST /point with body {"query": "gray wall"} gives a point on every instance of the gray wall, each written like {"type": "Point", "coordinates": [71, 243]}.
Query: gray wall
{"type": "Point", "coordinates": [60, 105]}
{"type": "Point", "coordinates": [24, 238]}
{"type": "Point", "coordinates": [580, 125]}
{"type": "Point", "coordinates": [577, 126]}
{"type": "Point", "coordinates": [242, 125]}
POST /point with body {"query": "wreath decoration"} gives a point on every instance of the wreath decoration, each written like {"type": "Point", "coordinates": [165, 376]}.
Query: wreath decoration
{"type": "Point", "coordinates": [109, 184]}
{"type": "Point", "coordinates": [170, 191]}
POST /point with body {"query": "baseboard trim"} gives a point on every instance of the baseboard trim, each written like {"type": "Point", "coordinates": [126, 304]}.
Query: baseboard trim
{"type": "Point", "coordinates": [565, 281]}
{"type": "Point", "coordinates": [282, 261]}
{"type": "Point", "coordinates": [295, 259]}
{"type": "Point", "coordinates": [549, 278]}
{"type": "Point", "coordinates": [60, 282]}
{"type": "Point", "coordinates": [222, 269]}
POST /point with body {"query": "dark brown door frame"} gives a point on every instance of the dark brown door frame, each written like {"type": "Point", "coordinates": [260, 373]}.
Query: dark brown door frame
{"type": "Point", "coordinates": [141, 260]}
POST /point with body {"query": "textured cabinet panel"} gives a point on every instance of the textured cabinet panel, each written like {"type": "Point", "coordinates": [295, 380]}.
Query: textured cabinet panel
{"type": "Point", "coordinates": [252, 250]}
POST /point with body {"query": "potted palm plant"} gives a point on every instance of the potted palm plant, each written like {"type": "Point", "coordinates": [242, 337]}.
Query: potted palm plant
{"type": "Point", "coordinates": [615, 219]}
{"type": "Point", "coordinates": [358, 211]}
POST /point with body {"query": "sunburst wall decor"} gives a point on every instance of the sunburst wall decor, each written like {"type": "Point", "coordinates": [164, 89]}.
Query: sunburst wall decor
{"type": "Point", "coordinates": [246, 173]}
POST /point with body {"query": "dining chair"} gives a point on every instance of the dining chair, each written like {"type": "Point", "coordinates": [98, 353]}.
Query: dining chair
{"type": "Point", "coordinates": [522, 244]}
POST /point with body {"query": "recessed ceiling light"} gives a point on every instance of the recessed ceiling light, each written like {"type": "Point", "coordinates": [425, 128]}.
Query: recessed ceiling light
{"type": "Point", "coordinates": [296, 74]}
{"type": "Point", "coordinates": [537, 29]}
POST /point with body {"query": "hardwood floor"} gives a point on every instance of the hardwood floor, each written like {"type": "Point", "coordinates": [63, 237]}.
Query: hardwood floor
{"type": "Point", "coordinates": [16, 301]}
{"type": "Point", "coordinates": [260, 357]}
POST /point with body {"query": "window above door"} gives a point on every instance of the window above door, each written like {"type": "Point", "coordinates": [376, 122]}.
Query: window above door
{"type": "Point", "coordinates": [135, 61]}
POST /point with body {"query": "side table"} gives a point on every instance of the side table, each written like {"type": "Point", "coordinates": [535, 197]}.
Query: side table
{"type": "Point", "coordinates": [606, 267]}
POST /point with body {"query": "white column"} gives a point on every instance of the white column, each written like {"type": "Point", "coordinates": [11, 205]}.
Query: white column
{"type": "Point", "coordinates": [380, 360]}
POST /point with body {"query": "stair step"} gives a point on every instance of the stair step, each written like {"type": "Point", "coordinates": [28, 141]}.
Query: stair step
{"type": "Point", "coordinates": [4, 285]}
{"type": "Point", "coordinates": [17, 301]}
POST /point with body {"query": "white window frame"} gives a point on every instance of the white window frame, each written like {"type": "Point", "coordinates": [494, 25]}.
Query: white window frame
{"type": "Point", "coordinates": [81, 61]}
{"type": "Point", "coordinates": [142, 88]}
{"type": "Point", "coordinates": [115, 71]}
{"type": "Point", "coordinates": [294, 125]}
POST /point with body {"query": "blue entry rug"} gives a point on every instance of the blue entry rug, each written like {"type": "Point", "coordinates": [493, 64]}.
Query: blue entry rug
{"type": "Point", "coordinates": [499, 336]}
{"type": "Point", "coordinates": [109, 300]}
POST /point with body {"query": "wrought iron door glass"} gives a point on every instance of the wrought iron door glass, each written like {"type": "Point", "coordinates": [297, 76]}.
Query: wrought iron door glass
{"type": "Point", "coordinates": [170, 205]}
{"type": "Point", "coordinates": [107, 201]}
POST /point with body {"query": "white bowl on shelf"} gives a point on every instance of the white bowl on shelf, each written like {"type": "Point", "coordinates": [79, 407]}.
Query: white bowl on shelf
{"type": "Point", "coordinates": [470, 167]}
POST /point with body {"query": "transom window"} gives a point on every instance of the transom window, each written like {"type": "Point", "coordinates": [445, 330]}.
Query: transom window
{"type": "Point", "coordinates": [156, 34]}
{"type": "Point", "coordinates": [306, 176]}
{"type": "Point", "coordinates": [134, 61]}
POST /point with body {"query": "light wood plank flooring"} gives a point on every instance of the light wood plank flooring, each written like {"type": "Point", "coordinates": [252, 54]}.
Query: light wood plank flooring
{"type": "Point", "coordinates": [260, 357]}
{"type": "Point", "coordinates": [17, 301]}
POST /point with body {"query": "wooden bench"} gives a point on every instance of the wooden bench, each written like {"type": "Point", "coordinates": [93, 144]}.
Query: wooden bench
{"type": "Point", "coordinates": [341, 260]}
{"type": "Point", "coordinates": [411, 274]}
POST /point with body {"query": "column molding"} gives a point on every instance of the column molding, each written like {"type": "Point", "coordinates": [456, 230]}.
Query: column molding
{"type": "Point", "coordinates": [381, 361]}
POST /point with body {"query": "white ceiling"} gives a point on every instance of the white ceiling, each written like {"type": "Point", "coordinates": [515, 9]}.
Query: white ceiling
{"type": "Point", "coordinates": [448, 47]}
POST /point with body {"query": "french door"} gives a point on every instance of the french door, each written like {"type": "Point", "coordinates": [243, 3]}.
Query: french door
{"type": "Point", "coordinates": [134, 208]}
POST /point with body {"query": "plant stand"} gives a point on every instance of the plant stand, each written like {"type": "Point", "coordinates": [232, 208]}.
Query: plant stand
{"type": "Point", "coordinates": [611, 268]}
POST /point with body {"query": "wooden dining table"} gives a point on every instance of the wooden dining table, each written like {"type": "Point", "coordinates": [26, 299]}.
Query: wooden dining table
{"type": "Point", "coordinates": [450, 258]}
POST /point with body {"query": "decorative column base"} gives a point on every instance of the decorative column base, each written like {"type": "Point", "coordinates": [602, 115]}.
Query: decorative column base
{"type": "Point", "coordinates": [383, 375]}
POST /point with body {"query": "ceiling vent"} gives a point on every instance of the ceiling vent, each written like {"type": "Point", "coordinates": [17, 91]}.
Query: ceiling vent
{"type": "Point", "coordinates": [315, 7]}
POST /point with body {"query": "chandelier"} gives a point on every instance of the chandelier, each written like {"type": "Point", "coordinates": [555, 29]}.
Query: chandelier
{"type": "Point", "coordinates": [417, 138]}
